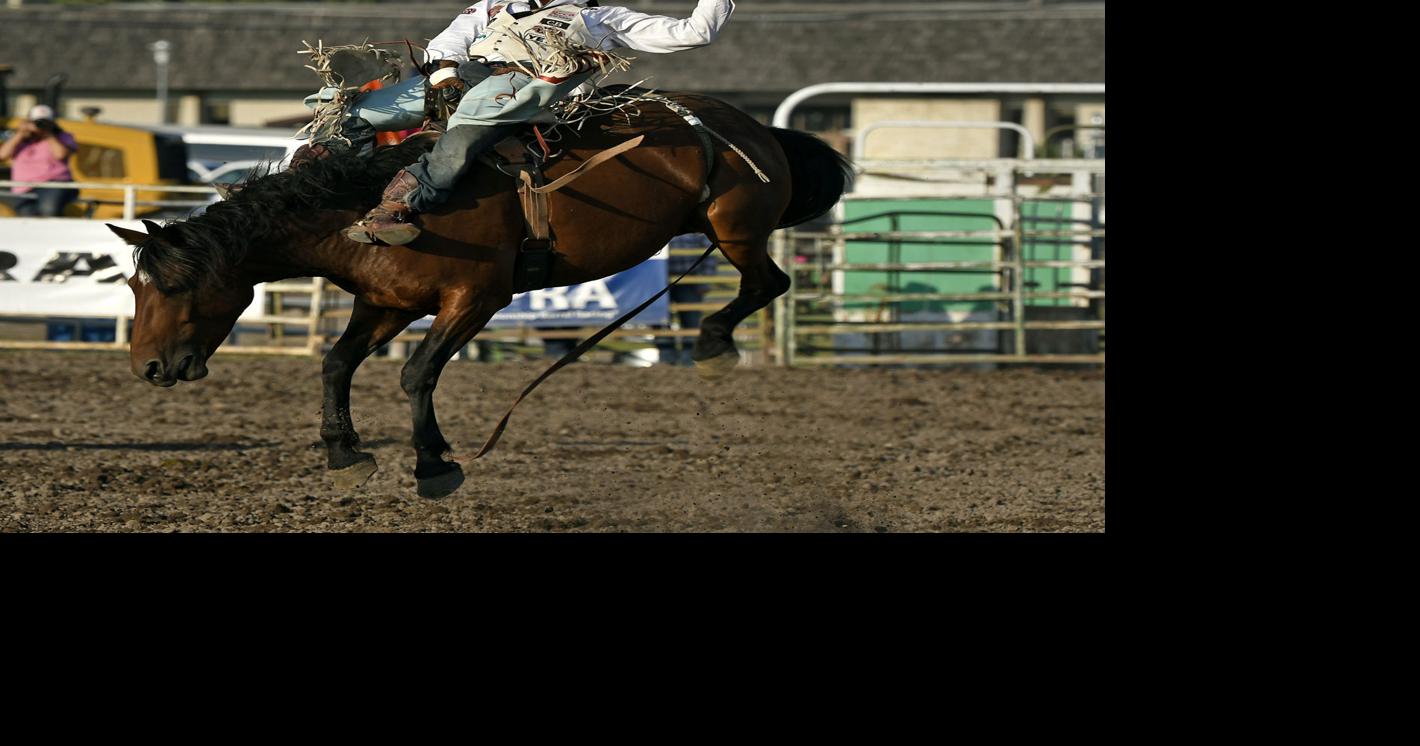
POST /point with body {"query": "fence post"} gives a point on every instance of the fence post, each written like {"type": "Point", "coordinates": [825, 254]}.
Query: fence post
{"type": "Point", "coordinates": [783, 302]}
{"type": "Point", "coordinates": [130, 199]}
{"type": "Point", "coordinates": [1081, 182]}
{"type": "Point", "coordinates": [278, 304]}
{"type": "Point", "coordinates": [1007, 186]}
{"type": "Point", "coordinates": [791, 307]}
{"type": "Point", "coordinates": [1005, 176]}
{"type": "Point", "coordinates": [1018, 291]}
{"type": "Point", "coordinates": [314, 340]}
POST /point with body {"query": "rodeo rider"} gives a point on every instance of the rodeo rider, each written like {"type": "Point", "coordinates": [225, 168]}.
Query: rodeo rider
{"type": "Point", "coordinates": [504, 97]}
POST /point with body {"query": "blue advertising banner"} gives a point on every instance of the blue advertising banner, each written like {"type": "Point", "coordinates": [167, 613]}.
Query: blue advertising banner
{"type": "Point", "coordinates": [590, 303]}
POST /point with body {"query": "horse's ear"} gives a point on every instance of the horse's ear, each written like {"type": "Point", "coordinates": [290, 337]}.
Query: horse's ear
{"type": "Point", "coordinates": [224, 191]}
{"type": "Point", "coordinates": [132, 238]}
{"type": "Point", "coordinates": [152, 227]}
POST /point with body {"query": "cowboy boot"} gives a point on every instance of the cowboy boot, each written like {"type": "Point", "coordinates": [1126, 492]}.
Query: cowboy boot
{"type": "Point", "coordinates": [390, 221]}
{"type": "Point", "coordinates": [359, 133]}
{"type": "Point", "coordinates": [307, 153]}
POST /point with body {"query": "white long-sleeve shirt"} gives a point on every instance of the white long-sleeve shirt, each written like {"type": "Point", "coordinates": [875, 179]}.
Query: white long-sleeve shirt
{"type": "Point", "coordinates": [614, 26]}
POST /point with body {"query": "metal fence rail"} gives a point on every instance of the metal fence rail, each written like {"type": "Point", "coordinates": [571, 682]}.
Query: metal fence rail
{"type": "Point", "coordinates": [271, 319]}
{"type": "Point", "coordinates": [819, 307]}
{"type": "Point", "coordinates": [130, 192]}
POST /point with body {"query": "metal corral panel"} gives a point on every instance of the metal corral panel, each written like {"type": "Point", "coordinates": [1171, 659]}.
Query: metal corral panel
{"type": "Point", "coordinates": [920, 215]}
{"type": "Point", "coordinates": [909, 215]}
{"type": "Point", "coordinates": [1060, 217]}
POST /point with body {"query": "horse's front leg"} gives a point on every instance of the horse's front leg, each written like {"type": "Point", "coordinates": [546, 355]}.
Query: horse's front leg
{"type": "Point", "coordinates": [452, 329]}
{"type": "Point", "coordinates": [369, 327]}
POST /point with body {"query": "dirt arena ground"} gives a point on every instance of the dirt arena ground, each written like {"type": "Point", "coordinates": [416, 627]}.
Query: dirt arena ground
{"type": "Point", "coordinates": [85, 446]}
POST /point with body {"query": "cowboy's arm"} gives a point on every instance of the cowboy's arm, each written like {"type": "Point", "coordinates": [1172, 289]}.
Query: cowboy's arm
{"type": "Point", "coordinates": [452, 44]}
{"type": "Point", "coordinates": [651, 33]}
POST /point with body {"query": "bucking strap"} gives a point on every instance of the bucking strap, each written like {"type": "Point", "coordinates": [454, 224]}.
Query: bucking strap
{"type": "Point", "coordinates": [589, 164]}
{"type": "Point", "coordinates": [535, 211]}
{"type": "Point", "coordinates": [530, 176]}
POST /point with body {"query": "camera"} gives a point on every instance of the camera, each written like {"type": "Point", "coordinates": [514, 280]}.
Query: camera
{"type": "Point", "coordinates": [46, 126]}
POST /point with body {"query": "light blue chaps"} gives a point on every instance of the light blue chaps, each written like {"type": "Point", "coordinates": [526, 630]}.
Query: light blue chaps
{"type": "Point", "coordinates": [490, 111]}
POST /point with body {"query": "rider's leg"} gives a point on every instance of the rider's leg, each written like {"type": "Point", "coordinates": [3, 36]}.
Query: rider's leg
{"type": "Point", "coordinates": [439, 171]}
{"type": "Point", "coordinates": [396, 107]}
{"type": "Point", "coordinates": [487, 113]}
{"type": "Point", "coordinates": [358, 135]}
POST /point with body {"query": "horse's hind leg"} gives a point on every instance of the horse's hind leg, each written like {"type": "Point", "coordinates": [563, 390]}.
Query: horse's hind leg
{"type": "Point", "coordinates": [452, 329]}
{"type": "Point", "coordinates": [369, 328]}
{"type": "Point", "coordinates": [761, 282]}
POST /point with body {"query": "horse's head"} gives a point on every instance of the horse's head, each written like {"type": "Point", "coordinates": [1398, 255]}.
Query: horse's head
{"type": "Point", "coordinates": [178, 324]}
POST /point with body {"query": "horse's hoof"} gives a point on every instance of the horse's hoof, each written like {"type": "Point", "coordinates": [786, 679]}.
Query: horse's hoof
{"type": "Point", "coordinates": [442, 485]}
{"type": "Point", "coordinates": [397, 235]}
{"type": "Point", "coordinates": [715, 368]}
{"type": "Point", "coordinates": [353, 476]}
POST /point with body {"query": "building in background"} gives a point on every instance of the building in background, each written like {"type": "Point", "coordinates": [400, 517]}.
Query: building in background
{"type": "Point", "coordinates": [236, 63]}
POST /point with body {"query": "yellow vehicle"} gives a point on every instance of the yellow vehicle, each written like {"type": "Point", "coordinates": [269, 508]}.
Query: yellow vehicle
{"type": "Point", "coordinates": [111, 154]}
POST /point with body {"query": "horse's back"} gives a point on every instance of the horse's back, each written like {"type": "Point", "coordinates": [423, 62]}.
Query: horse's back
{"type": "Point", "coordinates": [614, 216]}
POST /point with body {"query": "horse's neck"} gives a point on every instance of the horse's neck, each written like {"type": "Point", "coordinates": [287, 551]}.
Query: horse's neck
{"type": "Point", "coordinates": [318, 251]}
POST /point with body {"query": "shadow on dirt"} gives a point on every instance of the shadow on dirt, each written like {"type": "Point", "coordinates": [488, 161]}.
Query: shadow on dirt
{"type": "Point", "coordinates": [55, 445]}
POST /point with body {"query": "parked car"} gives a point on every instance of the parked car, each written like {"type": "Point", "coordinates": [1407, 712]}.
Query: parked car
{"type": "Point", "coordinates": [231, 173]}
{"type": "Point", "coordinates": [227, 155]}
{"type": "Point", "coordinates": [212, 146]}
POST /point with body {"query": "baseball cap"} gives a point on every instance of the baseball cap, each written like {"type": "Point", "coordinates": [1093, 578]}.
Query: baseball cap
{"type": "Point", "coordinates": [41, 112]}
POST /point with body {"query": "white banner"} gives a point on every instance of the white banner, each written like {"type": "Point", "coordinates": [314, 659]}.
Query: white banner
{"type": "Point", "coordinates": [70, 267]}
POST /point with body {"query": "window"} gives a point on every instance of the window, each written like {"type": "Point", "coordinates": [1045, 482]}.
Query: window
{"type": "Point", "coordinates": [820, 118]}
{"type": "Point", "coordinates": [216, 111]}
{"type": "Point", "coordinates": [98, 162]}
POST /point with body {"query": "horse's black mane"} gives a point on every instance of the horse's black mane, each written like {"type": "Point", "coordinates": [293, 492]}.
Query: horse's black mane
{"type": "Point", "coordinates": [187, 254]}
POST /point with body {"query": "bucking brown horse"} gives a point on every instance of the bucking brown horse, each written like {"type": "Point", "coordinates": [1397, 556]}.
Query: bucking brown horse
{"type": "Point", "coordinates": [196, 276]}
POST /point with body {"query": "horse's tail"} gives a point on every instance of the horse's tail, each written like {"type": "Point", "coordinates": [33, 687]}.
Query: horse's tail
{"type": "Point", "coordinates": [819, 175]}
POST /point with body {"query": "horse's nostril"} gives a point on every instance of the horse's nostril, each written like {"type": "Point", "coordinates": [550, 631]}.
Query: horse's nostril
{"type": "Point", "coordinates": [151, 372]}
{"type": "Point", "coordinates": [181, 370]}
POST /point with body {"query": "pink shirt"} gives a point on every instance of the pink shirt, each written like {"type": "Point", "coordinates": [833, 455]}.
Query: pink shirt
{"type": "Point", "coordinates": [35, 161]}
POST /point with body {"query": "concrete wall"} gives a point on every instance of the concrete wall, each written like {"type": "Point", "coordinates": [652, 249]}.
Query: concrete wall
{"type": "Point", "coordinates": [911, 144]}
{"type": "Point", "coordinates": [22, 104]}
{"type": "Point", "coordinates": [257, 112]}
{"type": "Point", "coordinates": [125, 109]}
{"type": "Point", "coordinates": [189, 110]}
{"type": "Point", "coordinates": [184, 109]}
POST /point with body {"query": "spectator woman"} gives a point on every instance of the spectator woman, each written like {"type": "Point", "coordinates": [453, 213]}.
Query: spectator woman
{"type": "Point", "coordinates": [39, 151]}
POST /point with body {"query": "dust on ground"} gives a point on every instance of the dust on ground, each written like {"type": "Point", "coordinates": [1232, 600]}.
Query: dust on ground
{"type": "Point", "coordinates": [86, 446]}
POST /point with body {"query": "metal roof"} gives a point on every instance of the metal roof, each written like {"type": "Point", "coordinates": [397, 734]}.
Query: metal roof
{"type": "Point", "coordinates": [768, 46]}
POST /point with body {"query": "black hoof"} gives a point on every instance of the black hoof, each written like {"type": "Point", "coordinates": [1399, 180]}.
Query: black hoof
{"type": "Point", "coordinates": [709, 346]}
{"type": "Point", "coordinates": [443, 484]}
{"type": "Point", "coordinates": [718, 367]}
{"type": "Point", "coordinates": [351, 477]}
